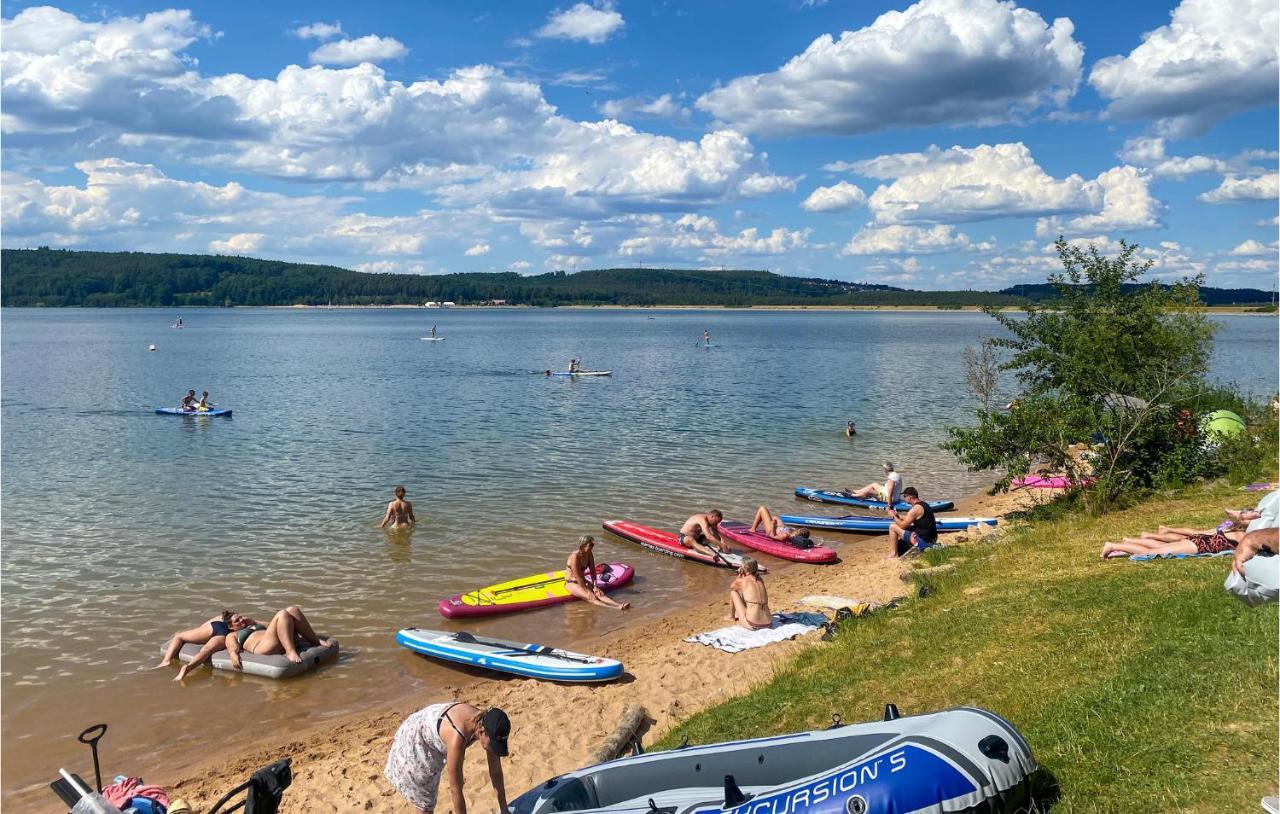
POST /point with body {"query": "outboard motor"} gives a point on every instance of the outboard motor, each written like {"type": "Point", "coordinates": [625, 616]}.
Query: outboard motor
{"type": "Point", "coordinates": [733, 796]}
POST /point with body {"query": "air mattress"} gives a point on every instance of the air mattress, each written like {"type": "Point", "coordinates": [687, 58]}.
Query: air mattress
{"type": "Point", "coordinates": [266, 666]}
{"type": "Point", "coordinates": [176, 411]}
{"type": "Point", "coordinates": [665, 542]}
{"type": "Point", "coordinates": [877, 525]}
{"type": "Point", "coordinates": [517, 658]}
{"type": "Point", "coordinates": [742, 534]}
{"type": "Point", "coordinates": [831, 496]}
{"type": "Point", "coordinates": [527, 593]}
{"type": "Point", "coordinates": [959, 760]}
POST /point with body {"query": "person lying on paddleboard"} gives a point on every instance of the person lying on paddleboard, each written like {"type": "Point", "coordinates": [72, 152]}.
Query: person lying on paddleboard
{"type": "Point", "coordinates": [580, 576]}
{"type": "Point", "coordinates": [700, 531]}
{"type": "Point", "coordinates": [774, 529]}
{"type": "Point", "coordinates": [399, 512]}
{"type": "Point", "coordinates": [749, 598]}
{"type": "Point", "coordinates": [434, 740]}
{"type": "Point", "coordinates": [914, 528]}
{"type": "Point", "coordinates": [188, 401]}
{"type": "Point", "coordinates": [887, 491]}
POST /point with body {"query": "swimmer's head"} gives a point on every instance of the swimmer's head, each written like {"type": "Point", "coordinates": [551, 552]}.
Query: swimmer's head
{"type": "Point", "coordinates": [399, 491]}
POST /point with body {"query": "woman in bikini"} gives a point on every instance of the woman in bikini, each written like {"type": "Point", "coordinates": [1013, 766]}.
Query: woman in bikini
{"type": "Point", "coordinates": [281, 636]}
{"type": "Point", "coordinates": [580, 576]}
{"type": "Point", "coordinates": [1214, 542]}
{"type": "Point", "coordinates": [774, 528]}
{"type": "Point", "coordinates": [434, 740]}
{"type": "Point", "coordinates": [211, 636]}
{"type": "Point", "coordinates": [749, 598]}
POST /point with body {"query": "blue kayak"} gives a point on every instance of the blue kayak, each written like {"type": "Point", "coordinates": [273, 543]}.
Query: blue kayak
{"type": "Point", "coordinates": [177, 411]}
{"type": "Point", "coordinates": [517, 658]}
{"type": "Point", "coordinates": [877, 525]}
{"type": "Point", "coordinates": [829, 496]}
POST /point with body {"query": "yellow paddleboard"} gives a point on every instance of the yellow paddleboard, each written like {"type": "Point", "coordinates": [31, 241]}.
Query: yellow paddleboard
{"type": "Point", "coordinates": [528, 592]}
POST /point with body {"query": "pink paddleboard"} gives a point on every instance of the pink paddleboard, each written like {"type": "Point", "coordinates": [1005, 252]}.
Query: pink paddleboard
{"type": "Point", "coordinates": [742, 534]}
{"type": "Point", "coordinates": [1041, 482]}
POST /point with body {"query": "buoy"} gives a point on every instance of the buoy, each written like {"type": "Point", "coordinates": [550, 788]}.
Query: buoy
{"type": "Point", "coordinates": [151, 347]}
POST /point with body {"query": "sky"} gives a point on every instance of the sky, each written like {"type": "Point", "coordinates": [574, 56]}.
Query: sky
{"type": "Point", "coordinates": [943, 144]}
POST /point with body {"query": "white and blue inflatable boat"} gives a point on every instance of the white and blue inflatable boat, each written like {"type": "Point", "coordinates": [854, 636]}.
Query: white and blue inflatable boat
{"type": "Point", "coordinates": [960, 760]}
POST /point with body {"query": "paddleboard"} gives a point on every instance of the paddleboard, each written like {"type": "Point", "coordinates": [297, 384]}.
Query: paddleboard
{"type": "Point", "coordinates": [527, 593]}
{"type": "Point", "coordinates": [830, 496]}
{"type": "Point", "coordinates": [176, 411]}
{"type": "Point", "coordinates": [266, 666]}
{"type": "Point", "coordinates": [665, 542]}
{"type": "Point", "coordinates": [877, 525]}
{"type": "Point", "coordinates": [742, 534]}
{"type": "Point", "coordinates": [432, 338]}
{"type": "Point", "coordinates": [583, 373]}
{"type": "Point", "coordinates": [517, 658]}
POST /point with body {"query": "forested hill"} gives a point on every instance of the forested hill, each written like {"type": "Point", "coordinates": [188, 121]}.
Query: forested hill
{"type": "Point", "coordinates": [51, 277]}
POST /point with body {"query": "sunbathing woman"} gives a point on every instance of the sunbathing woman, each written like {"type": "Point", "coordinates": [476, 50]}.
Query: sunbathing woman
{"type": "Point", "coordinates": [1212, 543]}
{"type": "Point", "coordinates": [749, 598]}
{"type": "Point", "coordinates": [282, 635]}
{"type": "Point", "coordinates": [211, 636]}
{"type": "Point", "coordinates": [580, 576]}
{"type": "Point", "coordinates": [774, 528]}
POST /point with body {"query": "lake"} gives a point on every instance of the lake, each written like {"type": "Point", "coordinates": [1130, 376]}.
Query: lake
{"type": "Point", "coordinates": [121, 526]}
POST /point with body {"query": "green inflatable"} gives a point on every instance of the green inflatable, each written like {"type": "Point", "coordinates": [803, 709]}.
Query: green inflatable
{"type": "Point", "coordinates": [1222, 424]}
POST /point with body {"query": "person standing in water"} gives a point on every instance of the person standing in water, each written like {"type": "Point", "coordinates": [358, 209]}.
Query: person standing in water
{"type": "Point", "coordinates": [580, 576]}
{"type": "Point", "coordinates": [706, 338]}
{"type": "Point", "coordinates": [399, 512]}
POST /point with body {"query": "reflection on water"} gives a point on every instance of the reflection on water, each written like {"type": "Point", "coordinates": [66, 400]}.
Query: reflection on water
{"type": "Point", "coordinates": [121, 526]}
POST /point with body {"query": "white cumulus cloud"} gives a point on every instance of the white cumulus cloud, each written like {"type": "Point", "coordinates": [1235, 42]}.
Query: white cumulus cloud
{"type": "Point", "coordinates": [1235, 190]}
{"type": "Point", "coordinates": [241, 243]}
{"type": "Point", "coordinates": [839, 197]}
{"type": "Point", "coordinates": [370, 48]}
{"type": "Point", "coordinates": [1251, 248]}
{"type": "Point", "coordinates": [1214, 58]}
{"type": "Point", "coordinates": [477, 250]}
{"type": "Point", "coordinates": [318, 31]}
{"type": "Point", "coordinates": [665, 106]}
{"type": "Point", "coordinates": [593, 24]}
{"type": "Point", "coordinates": [900, 240]}
{"type": "Point", "coordinates": [936, 62]}
{"type": "Point", "coordinates": [1127, 203]}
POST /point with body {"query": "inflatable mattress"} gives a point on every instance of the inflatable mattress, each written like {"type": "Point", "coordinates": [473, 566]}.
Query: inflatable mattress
{"type": "Point", "coordinates": [266, 666]}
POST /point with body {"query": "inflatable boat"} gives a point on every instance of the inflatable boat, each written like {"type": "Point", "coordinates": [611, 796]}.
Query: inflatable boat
{"type": "Point", "coordinates": [960, 760]}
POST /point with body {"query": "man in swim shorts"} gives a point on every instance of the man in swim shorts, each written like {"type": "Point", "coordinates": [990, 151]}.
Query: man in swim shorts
{"type": "Point", "coordinates": [188, 401]}
{"type": "Point", "coordinates": [399, 512]}
{"type": "Point", "coordinates": [700, 531]}
{"type": "Point", "coordinates": [917, 528]}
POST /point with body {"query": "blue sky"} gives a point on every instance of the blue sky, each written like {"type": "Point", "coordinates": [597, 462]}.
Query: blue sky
{"type": "Point", "coordinates": [941, 144]}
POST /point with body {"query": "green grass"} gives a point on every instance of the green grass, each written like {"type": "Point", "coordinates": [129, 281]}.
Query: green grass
{"type": "Point", "coordinates": [1140, 687]}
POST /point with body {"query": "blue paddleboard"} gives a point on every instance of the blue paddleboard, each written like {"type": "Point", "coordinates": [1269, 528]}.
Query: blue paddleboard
{"type": "Point", "coordinates": [828, 496]}
{"type": "Point", "coordinates": [176, 411]}
{"type": "Point", "coordinates": [876, 525]}
{"type": "Point", "coordinates": [517, 658]}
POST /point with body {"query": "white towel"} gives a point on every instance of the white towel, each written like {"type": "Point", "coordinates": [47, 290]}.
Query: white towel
{"type": "Point", "coordinates": [785, 626]}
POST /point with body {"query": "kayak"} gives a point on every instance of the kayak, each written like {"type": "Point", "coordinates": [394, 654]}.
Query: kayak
{"type": "Point", "coordinates": [583, 373]}
{"type": "Point", "coordinates": [877, 525]}
{"type": "Point", "coordinates": [517, 658]}
{"type": "Point", "coordinates": [959, 760]}
{"type": "Point", "coordinates": [177, 411]}
{"type": "Point", "coordinates": [742, 534]}
{"type": "Point", "coordinates": [527, 593]}
{"type": "Point", "coordinates": [1042, 482]}
{"type": "Point", "coordinates": [831, 496]}
{"type": "Point", "coordinates": [665, 542]}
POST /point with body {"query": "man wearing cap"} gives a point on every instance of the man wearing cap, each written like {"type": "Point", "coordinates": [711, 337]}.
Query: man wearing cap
{"type": "Point", "coordinates": [434, 740]}
{"type": "Point", "coordinates": [915, 528]}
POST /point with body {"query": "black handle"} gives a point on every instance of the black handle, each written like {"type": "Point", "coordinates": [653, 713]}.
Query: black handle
{"type": "Point", "coordinates": [86, 737]}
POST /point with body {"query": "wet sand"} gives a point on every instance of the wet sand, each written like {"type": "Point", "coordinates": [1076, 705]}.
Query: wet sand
{"type": "Point", "coordinates": [338, 766]}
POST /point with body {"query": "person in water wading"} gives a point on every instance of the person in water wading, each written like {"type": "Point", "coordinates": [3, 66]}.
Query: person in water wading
{"type": "Point", "coordinates": [434, 740]}
{"type": "Point", "coordinates": [399, 512]}
{"type": "Point", "coordinates": [915, 528]}
{"type": "Point", "coordinates": [580, 576]}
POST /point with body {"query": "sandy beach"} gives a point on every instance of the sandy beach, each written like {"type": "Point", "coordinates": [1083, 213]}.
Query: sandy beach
{"type": "Point", "coordinates": [555, 727]}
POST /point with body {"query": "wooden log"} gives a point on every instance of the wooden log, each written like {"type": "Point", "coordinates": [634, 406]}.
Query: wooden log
{"type": "Point", "coordinates": [635, 721]}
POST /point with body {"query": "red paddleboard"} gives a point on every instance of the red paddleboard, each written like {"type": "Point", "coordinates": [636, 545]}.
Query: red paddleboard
{"type": "Point", "coordinates": [664, 542]}
{"type": "Point", "coordinates": [742, 534]}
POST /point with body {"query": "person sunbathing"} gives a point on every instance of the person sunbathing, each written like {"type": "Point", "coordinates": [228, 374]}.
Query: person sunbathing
{"type": "Point", "coordinates": [580, 576]}
{"type": "Point", "coordinates": [281, 636]}
{"type": "Point", "coordinates": [774, 529]}
{"type": "Point", "coordinates": [749, 598]}
{"type": "Point", "coordinates": [1215, 542]}
{"type": "Point", "coordinates": [211, 636]}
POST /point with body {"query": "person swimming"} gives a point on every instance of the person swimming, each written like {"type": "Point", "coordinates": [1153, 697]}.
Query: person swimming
{"type": "Point", "coordinates": [850, 430]}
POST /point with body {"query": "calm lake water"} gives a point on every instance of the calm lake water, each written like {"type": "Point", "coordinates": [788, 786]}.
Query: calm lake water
{"type": "Point", "coordinates": [120, 526]}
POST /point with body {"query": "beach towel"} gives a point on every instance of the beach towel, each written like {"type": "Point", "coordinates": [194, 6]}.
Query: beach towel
{"type": "Point", "coordinates": [1261, 487]}
{"type": "Point", "coordinates": [828, 601]}
{"type": "Point", "coordinates": [785, 626]}
{"type": "Point", "coordinates": [1150, 557]}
